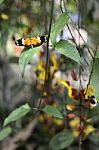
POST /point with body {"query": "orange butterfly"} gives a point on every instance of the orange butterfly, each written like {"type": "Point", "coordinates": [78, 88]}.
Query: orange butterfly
{"type": "Point", "coordinates": [33, 42]}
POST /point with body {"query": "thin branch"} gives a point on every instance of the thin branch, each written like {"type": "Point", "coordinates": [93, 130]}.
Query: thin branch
{"type": "Point", "coordinates": [81, 109]}
{"type": "Point", "coordinates": [72, 34]}
{"type": "Point", "coordinates": [76, 43]}
{"type": "Point", "coordinates": [47, 58]}
{"type": "Point", "coordinates": [87, 46]}
{"type": "Point", "coordinates": [91, 69]}
{"type": "Point", "coordinates": [80, 114]}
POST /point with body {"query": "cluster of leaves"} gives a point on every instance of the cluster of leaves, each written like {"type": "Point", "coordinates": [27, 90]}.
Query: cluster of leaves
{"type": "Point", "coordinates": [63, 139]}
{"type": "Point", "coordinates": [65, 48]}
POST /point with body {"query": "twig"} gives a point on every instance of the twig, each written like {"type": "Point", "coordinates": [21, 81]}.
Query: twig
{"type": "Point", "coordinates": [91, 70]}
{"type": "Point", "coordinates": [81, 109]}
{"type": "Point", "coordinates": [77, 29]}
{"type": "Point", "coordinates": [71, 33]}
{"type": "Point", "coordinates": [80, 99]}
{"type": "Point", "coordinates": [80, 115]}
{"type": "Point", "coordinates": [47, 58]}
{"type": "Point", "coordinates": [76, 43]}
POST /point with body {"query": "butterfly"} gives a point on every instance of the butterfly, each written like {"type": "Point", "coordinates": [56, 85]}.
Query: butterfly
{"type": "Point", "coordinates": [33, 42]}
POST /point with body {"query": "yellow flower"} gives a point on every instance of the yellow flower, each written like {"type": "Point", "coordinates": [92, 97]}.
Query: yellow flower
{"type": "Point", "coordinates": [54, 64]}
{"type": "Point", "coordinates": [40, 70]}
{"type": "Point", "coordinates": [66, 85]}
{"type": "Point", "coordinates": [73, 123]}
{"type": "Point", "coordinates": [88, 92]}
{"type": "Point", "coordinates": [41, 75]}
{"type": "Point", "coordinates": [75, 133]}
{"type": "Point", "coordinates": [89, 129]}
{"type": "Point", "coordinates": [58, 122]}
{"type": "Point", "coordinates": [70, 107]}
{"type": "Point", "coordinates": [53, 60]}
{"type": "Point", "coordinates": [40, 66]}
{"type": "Point", "coordinates": [4, 16]}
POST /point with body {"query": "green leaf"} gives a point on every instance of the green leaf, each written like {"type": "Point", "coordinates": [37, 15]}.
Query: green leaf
{"type": "Point", "coordinates": [68, 49]}
{"type": "Point", "coordinates": [17, 113]}
{"type": "Point", "coordinates": [61, 140]}
{"type": "Point", "coordinates": [25, 57]}
{"type": "Point", "coordinates": [97, 53]}
{"type": "Point", "coordinates": [95, 77]}
{"type": "Point", "coordinates": [5, 132]}
{"type": "Point", "coordinates": [53, 111]}
{"type": "Point", "coordinates": [1, 1]}
{"type": "Point", "coordinates": [58, 26]}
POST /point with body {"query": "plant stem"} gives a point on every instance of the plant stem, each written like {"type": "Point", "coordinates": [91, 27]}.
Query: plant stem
{"type": "Point", "coordinates": [47, 57]}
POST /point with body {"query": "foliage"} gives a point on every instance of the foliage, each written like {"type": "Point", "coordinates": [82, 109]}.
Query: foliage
{"type": "Point", "coordinates": [61, 140]}
{"type": "Point", "coordinates": [67, 49]}
{"type": "Point", "coordinates": [17, 114]}
{"type": "Point", "coordinates": [25, 57]}
{"type": "Point", "coordinates": [58, 26]}
{"type": "Point", "coordinates": [95, 77]}
{"type": "Point", "coordinates": [52, 111]}
{"type": "Point", "coordinates": [4, 133]}
{"type": "Point", "coordinates": [68, 112]}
